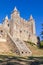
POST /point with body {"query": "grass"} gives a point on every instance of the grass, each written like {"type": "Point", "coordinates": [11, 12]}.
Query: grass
{"type": "Point", "coordinates": [41, 43]}
{"type": "Point", "coordinates": [6, 55]}
{"type": "Point", "coordinates": [36, 51]}
{"type": "Point", "coordinates": [30, 42]}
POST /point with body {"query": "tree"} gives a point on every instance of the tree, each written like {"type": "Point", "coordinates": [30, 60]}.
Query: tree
{"type": "Point", "coordinates": [41, 42]}
{"type": "Point", "coordinates": [42, 32]}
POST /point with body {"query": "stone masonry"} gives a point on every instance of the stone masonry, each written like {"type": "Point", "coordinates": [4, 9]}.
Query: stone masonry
{"type": "Point", "coordinates": [18, 28]}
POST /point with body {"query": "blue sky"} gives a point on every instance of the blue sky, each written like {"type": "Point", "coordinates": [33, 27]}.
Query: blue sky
{"type": "Point", "coordinates": [26, 8]}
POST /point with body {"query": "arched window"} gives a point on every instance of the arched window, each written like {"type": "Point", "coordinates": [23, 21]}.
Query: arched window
{"type": "Point", "coordinates": [1, 33]}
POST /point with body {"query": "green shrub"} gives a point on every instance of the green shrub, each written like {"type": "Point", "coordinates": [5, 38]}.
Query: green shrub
{"type": "Point", "coordinates": [41, 44]}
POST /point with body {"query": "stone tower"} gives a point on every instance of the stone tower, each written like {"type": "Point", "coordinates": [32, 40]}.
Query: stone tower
{"type": "Point", "coordinates": [15, 18]}
{"type": "Point", "coordinates": [22, 29]}
{"type": "Point", "coordinates": [33, 24]}
{"type": "Point", "coordinates": [6, 23]}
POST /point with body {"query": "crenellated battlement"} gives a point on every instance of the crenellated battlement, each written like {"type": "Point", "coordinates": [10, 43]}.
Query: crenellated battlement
{"type": "Point", "coordinates": [19, 27]}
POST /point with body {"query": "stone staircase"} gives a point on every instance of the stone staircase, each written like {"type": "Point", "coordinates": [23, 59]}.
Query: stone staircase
{"type": "Point", "coordinates": [19, 46]}
{"type": "Point", "coordinates": [11, 45]}
{"type": "Point", "coordinates": [24, 50]}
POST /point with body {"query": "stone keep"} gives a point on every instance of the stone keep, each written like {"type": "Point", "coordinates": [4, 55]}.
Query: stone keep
{"type": "Point", "coordinates": [20, 28]}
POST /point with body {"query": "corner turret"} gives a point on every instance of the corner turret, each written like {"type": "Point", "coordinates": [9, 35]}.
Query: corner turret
{"type": "Point", "coordinates": [15, 13]}
{"type": "Point", "coordinates": [6, 18]}
{"type": "Point", "coordinates": [6, 23]}
{"type": "Point", "coordinates": [32, 24]}
{"type": "Point", "coordinates": [31, 17]}
{"type": "Point", "coordinates": [15, 9]}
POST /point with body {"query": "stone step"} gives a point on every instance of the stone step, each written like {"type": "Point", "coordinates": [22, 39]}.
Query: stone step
{"type": "Point", "coordinates": [23, 49]}
{"type": "Point", "coordinates": [20, 45]}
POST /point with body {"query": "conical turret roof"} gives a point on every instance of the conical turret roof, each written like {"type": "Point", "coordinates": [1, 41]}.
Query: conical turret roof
{"type": "Point", "coordinates": [6, 17]}
{"type": "Point", "coordinates": [31, 17]}
{"type": "Point", "coordinates": [15, 9]}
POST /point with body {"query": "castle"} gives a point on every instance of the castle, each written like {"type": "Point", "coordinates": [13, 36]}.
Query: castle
{"type": "Point", "coordinates": [18, 28]}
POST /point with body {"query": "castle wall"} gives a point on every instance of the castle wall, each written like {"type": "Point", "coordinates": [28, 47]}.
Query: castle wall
{"type": "Point", "coordinates": [19, 27]}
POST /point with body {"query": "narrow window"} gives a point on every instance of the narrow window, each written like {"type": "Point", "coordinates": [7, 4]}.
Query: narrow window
{"type": "Point", "coordinates": [1, 31]}
{"type": "Point", "coordinates": [20, 31]}
{"type": "Point", "coordinates": [22, 52]}
{"type": "Point", "coordinates": [8, 25]}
